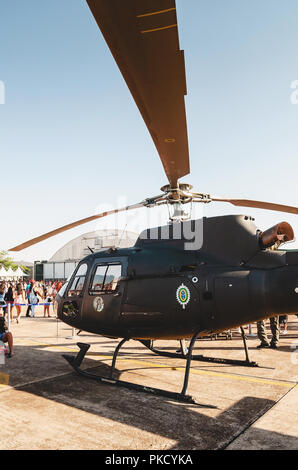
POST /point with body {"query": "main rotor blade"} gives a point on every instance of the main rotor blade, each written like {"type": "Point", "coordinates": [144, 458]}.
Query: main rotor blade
{"type": "Point", "coordinates": [143, 38]}
{"type": "Point", "coordinates": [35, 240]}
{"type": "Point", "coordinates": [258, 204]}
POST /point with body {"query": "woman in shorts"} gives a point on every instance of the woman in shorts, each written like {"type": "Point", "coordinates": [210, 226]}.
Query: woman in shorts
{"type": "Point", "coordinates": [9, 300]}
{"type": "Point", "coordinates": [18, 300]}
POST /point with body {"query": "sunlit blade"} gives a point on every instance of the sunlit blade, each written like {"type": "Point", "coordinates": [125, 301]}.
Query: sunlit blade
{"type": "Point", "coordinates": [35, 240]}
{"type": "Point", "coordinates": [258, 204]}
{"type": "Point", "coordinates": [143, 38]}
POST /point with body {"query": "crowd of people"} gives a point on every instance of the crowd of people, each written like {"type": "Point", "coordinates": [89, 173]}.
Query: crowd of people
{"type": "Point", "coordinates": [16, 296]}
{"type": "Point", "coordinates": [21, 296]}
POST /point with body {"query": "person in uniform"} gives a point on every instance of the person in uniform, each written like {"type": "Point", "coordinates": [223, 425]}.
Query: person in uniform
{"type": "Point", "coordinates": [262, 334]}
{"type": "Point", "coordinates": [274, 321]}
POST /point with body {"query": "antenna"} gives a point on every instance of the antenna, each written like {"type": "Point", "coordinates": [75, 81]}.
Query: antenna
{"type": "Point", "coordinates": [122, 234]}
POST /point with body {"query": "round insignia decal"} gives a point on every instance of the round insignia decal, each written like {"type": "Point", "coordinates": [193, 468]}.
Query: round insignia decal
{"type": "Point", "coordinates": [183, 295]}
{"type": "Point", "coordinates": [98, 304]}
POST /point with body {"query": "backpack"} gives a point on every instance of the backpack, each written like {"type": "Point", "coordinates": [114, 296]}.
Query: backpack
{"type": "Point", "coordinates": [33, 298]}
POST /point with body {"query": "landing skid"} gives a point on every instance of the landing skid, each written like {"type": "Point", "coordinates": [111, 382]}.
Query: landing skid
{"type": "Point", "coordinates": [76, 362]}
{"type": "Point", "coordinates": [199, 357]}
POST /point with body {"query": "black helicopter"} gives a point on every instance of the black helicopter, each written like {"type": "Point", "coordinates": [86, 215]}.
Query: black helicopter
{"type": "Point", "coordinates": [188, 278]}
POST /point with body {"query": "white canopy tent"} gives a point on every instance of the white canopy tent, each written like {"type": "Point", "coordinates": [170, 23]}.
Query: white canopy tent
{"type": "Point", "coordinates": [11, 274]}
{"type": "Point", "coordinates": [3, 273]}
{"type": "Point", "coordinates": [19, 273]}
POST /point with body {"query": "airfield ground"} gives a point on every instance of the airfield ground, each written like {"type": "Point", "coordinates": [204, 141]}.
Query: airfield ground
{"type": "Point", "coordinates": [44, 405]}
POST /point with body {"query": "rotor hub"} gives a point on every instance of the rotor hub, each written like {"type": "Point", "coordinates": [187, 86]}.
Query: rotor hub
{"type": "Point", "coordinates": [182, 193]}
{"type": "Point", "coordinates": [180, 187]}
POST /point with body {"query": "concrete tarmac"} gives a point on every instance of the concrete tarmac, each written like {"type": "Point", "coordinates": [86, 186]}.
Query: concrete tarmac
{"type": "Point", "coordinates": [45, 405]}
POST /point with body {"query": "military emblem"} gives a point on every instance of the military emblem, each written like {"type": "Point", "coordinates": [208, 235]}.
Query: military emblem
{"type": "Point", "coordinates": [98, 304]}
{"type": "Point", "coordinates": [183, 295]}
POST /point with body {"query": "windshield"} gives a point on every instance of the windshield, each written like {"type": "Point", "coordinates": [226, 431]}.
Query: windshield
{"type": "Point", "coordinates": [61, 292]}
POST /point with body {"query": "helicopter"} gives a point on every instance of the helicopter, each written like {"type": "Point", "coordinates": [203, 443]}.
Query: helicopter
{"type": "Point", "coordinates": [188, 278]}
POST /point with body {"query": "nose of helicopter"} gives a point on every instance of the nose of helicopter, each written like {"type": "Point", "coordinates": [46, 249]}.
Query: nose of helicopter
{"type": "Point", "coordinates": [282, 290]}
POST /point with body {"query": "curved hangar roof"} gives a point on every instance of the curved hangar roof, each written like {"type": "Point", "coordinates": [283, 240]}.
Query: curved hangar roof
{"type": "Point", "coordinates": [77, 248]}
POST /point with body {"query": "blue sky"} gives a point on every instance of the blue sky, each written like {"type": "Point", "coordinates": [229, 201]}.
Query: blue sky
{"type": "Point", "coordinates": [72, 140]}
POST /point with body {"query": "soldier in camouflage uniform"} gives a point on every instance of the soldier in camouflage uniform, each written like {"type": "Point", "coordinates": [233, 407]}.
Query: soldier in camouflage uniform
{"type": "Point", "coordinates": [274, 321]}
{"type": "Point", "coordinates": [262, 334]}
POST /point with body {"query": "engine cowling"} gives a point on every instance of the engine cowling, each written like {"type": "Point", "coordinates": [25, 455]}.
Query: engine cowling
{"type": "Point", "coordinates": [278, 234]}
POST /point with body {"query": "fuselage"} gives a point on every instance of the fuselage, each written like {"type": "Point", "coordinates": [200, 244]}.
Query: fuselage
{"type": "Point", "coordinates": [169, 287]}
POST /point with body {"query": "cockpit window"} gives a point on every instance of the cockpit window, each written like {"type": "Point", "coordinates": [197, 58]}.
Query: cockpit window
{"type": "Point", "coordinates": [78, 281]}
{"type": "Point", "coordinates": [105, 278]}
{"type": "Point", "coordinates": [82, 270]}
{"type": "Point", "coordinates": [65, 285]}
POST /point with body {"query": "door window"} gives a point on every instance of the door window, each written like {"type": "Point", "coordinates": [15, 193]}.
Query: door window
{"type": "Point", "coordinates": [112, 277]}
{"type": "Point", "coordinates": [98, 279]}
{"type": "Point", "coordinates": [106, 278]}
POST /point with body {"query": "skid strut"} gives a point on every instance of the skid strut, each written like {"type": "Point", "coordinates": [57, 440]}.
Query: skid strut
{"type": "Point", "coordinates": [200, 357]}
{"type": "Point", "coordinates": [76, 361]}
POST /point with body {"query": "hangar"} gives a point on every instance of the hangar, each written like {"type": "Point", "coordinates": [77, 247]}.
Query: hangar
{"type": "Point", "coordinates": [60, 266]}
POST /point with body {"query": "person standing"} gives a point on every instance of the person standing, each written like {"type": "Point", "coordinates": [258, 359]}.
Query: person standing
{"type": "Point", "coordinates": [2, 295]}
{"type": "Point", "coordinates": [59, 285]}
{"type": "Point", "coordinates": [283, 322]}
{"type": "Point", "coordinates": [48, 298]}
{"type": "Point", "coordinates": [18, 300]}
{"type": "Point", "coordinates": [28, 288]}
{"type": "Point", "coordinates": [9, 300]}
{"type": "Point", "coordinates": [33, 299]}
{"type": "Point", "coordinates": [262, 334]}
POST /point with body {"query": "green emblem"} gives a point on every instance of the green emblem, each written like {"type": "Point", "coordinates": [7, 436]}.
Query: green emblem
{"type": "Point", "coordinates": [183, 295]}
